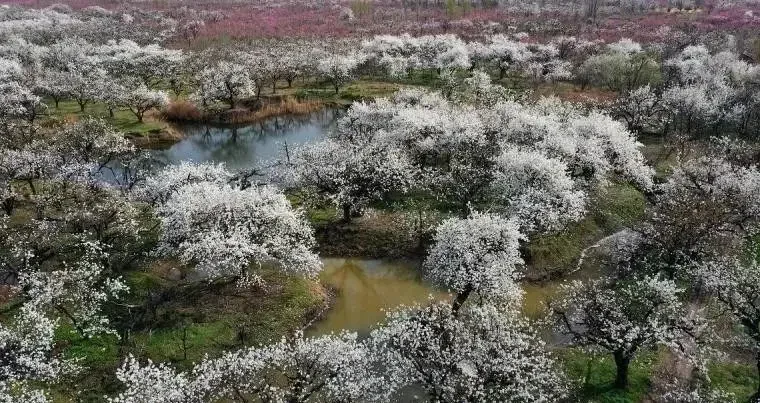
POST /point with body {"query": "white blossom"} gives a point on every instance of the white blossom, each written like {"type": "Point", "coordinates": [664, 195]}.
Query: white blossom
{"type": "Point", "coordinates": [477, 254]}
{"type": "Point", "coordinates": [481, 354]}
{"type": "Point", "coordinates": [223, 229]}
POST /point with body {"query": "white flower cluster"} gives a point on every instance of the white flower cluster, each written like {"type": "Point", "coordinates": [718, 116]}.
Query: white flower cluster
{"type": "Point", "coordinates": [223, 229]}
{"type": "Point", "coordinates": [419, 140]}
{"type": "Point", "coordinates": [477, 254]}
{"type": "Point", "coordinates": [480, 354]}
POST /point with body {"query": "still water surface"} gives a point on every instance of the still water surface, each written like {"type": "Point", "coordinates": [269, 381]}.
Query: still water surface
{"type": "Point", "coordinates": [366, 289]}
{"type": "Point", "coordinates": [241, 147]}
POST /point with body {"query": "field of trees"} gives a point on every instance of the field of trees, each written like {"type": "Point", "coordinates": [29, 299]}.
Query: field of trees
{"type": "Point", "coordinates": [380, 201]}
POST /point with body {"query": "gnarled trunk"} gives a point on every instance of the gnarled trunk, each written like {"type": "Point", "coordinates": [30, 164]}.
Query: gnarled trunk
{"type": "Point", "coordinates": [460, 299]}
{"type": "Point", "coordinates": [621, 363]}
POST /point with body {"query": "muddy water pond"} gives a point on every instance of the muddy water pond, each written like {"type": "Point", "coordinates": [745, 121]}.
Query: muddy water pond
{"type": "Point", "coordinates": [365, 289]}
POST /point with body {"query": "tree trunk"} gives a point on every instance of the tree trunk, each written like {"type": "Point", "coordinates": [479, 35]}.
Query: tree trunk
{"type": "Point", "coordinates": [290, 82]}
{"type": "Point", "coordinates": [8, 205]}
{"type": "Point", "coordinates": [621, 378]}
{"type": "Point", "coordinates": [460, 299]}
{"type": "Point", "coordinates": [346, 213]}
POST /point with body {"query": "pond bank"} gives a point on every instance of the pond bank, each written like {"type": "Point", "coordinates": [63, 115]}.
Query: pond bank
{"type": "Point", "coordinates": [157, 138]}
{"type": "Point", "coordinates": [248, 112]}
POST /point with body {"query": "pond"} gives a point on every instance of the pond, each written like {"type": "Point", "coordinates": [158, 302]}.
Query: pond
{"type": "Point", "coordinates": [365, 289]}
{"type": "Point", "coordinates": [241, 147]}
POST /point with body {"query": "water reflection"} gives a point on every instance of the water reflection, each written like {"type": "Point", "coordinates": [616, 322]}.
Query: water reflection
{"type": "Point", "coordinates": [241, 147]}
{"type": "Point", "coordinates": [366, 289]}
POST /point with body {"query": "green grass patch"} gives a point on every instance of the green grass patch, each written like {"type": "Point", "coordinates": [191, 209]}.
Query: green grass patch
{"type": "Point", "coordinates": [595, 376]}
{"type": "Point", "coordinates": [98, 356]}
{"type": "Point", "coordinates": [213, 321]}
{"type": "Point", "coordinates": [736, 378]}
{"type": "Point", "coordinates": [123, 119]}
{"type": "Point", "coordinates": [355, 91]}
{"type": "Point", "coordinates": [189, 326]}
{"type": "Point", "coordinates": [367, 90]}
{"type": "Point", "coordinates": [617, 206]}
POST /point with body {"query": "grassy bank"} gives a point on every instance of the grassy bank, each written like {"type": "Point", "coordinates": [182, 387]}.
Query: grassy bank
{"type": "Point", "coordinates": [122, 119]}
{"type": "Point", "coordinates": [249, 112]}
{"type": "Point", "coordinates": [593, 376]}
{"type": "Point", "coordinates": [188, 321]}
{"type": "Point", "coordinates": [740, 379]}
{"type": "Point", "coordinates": [615, 207]}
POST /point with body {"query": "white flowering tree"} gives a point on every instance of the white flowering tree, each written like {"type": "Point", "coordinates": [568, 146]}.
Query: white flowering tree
{"type": "Point", "coordinates": [332, 368]}
{"type": "Point", "coordinates": [225, 81]}
{"type": "Point", "coordinates": [27, 358]}
{"type": "Point", "coordinates": [151, 64]}
{"type": "Point", "coordinates": [338, 69]}
{"type": "Point", "coordinates": [537, 189]}
{"type": "Point", "coordinates": [475, 90]}
{"type": "Point", "coordinates": [506, 53]}
{"type": "Point", "coordinates": [348, 175]}
{"type": "Point", "coordinates": [223, 229]}
{"type": "Point", "coordinates": [736, 286]}
{"type": "Point", "coordinates": [155, 383]}
{"type": "Point", "coordinates": [478, 254]}
{"type": "Point", "coordinates": [51, 83]}
{"type": "Point", "coordinates": [709, 90]}
{"type": "Point", "coordinates": [163, 185]}
{"type": "Point", "coordinates": [402, 54]}
{"type": "Point", "coordinates": [471, 157]}
{"type": "Point", "coordinates": [89, 147]}
{"type": "Point", "coordinates": [85, 84]}
{"type": "Point", "coordinates": [707, 206]}
{"type": "Point", "coordinates": [642, 110]}
{"type": "Point", "coordinates": [76, 291]}
{"type": "Point", "coordinates": [19, 102]}
{"type": "Point", "coordinates": [623, 66]}
{"type": "Point", "coordinates": [622, 317]}
{"type": "Point", "coordinates": [482, 354]}
{"type": "Point", "coordinates": [141, 99]}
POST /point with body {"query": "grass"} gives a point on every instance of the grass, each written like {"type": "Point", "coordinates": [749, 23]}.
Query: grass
{"type": "Point", "coordinates": [189, 327]}
{"type": "Point", "coordinates": [617, 206]}
{"type": "Point", "coordinates": [739, 379]}
{"type": "Point", "coordinates": [596, 385]}
{"type": "Point", "coordinates": [367, 90]}
{"type": "Point", "coordinates": [123, 119]}
{"type": "Point", "coordinates": [359, 90]}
